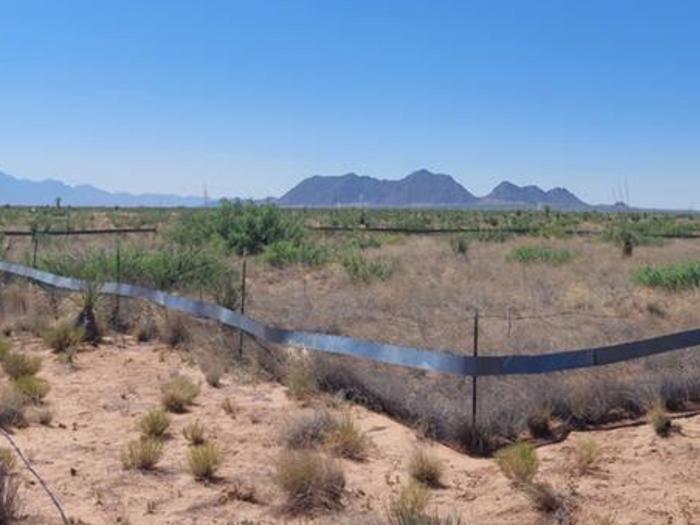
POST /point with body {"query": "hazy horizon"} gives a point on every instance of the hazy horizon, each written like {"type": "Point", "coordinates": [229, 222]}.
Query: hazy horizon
{"type": "Point", "coordinates": [248, 99]}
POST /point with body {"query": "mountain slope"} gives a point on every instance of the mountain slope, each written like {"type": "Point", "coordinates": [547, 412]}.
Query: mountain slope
{"type": "Point", "coordinates": [419, 188]}
{"type": "Point", "coordinates": [30, 193]}
{"type": "Point", "coordinates": [507, 192]}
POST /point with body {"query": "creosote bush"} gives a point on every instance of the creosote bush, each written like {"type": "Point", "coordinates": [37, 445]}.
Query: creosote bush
{"type": "Point", "coordinates": [33, 388]}
{"type": "Point", "coordinates": [425, 468]}
{"type": "Point", "coordinates": [63, 336]}
{"type": "Point", "coordinates": [178, 394]}
{"type": "Point", "coordinates": [154, 424]}
{"type": "Point", "coordinates": [142, 454]}
{"type": "Point", "coordinates": [204, 460]}
{"type": "Point", "coordinates": [309, 480]}
{"type": "Point", "coordinates": [17, 365]}
{"type": "Point", "coordinates": [194, 433]}
{"type": "Point", "coordinates": [518, 462]}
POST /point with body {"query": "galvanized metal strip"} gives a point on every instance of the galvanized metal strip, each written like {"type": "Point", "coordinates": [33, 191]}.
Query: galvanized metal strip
{"type": "Point", "coordinates": [417, 358]}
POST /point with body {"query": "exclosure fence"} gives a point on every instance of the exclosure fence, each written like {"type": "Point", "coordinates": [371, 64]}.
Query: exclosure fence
{"type": "Point", "coordinates": [417, 358]}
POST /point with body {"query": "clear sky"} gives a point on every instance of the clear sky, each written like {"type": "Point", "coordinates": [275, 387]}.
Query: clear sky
{"type": "Point", "coordinates": [250, 97]}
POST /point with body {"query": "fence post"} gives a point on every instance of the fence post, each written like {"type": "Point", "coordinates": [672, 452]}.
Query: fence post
{"type": "Point", "coordinates": [475, 353]}
{"type": "Point", "coordinates": [243, 278]}
{"type": "Point", "coordinates": [119, 280]}
{"type": "Point", "coordinates": [35, 242]}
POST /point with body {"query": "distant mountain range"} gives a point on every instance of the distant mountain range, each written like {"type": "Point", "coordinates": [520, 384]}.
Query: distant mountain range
{"type": "Point", "coordinates": [36, 193]}
{"type": "Point", "coordinates": [421, 188]}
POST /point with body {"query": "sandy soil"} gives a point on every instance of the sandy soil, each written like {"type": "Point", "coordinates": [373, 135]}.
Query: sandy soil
{"type": "Point", "coordinates": [641, 479]}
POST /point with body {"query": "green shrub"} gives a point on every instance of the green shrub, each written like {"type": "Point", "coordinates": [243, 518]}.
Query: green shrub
{"type": "Point", "coordinates": [518, 462]}
{"type": "Point", "coordinates": [18, 365]}
{"type": "Point", "coordinates": [673, 277]}
{"type": "Point", "coordinates": [284, 253]}
{"type": "Point", "coordinates": [33, 388]}
{"type": "Point", "coordinates": [204, 460]}
{"type": "Point", "coordinates": [540, 255]}
{"type": "Point", "coordinates": [154, 424]}
{"type": "Point", "coordinates": [63, 336]}
{"type": "Point", "coordinates": [359, 268]}
{"type": "Point", "coordinates": [178, 394]}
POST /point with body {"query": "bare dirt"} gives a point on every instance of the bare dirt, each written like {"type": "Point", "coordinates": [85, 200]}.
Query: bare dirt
{"type": "Point", "coordinates": [640, 479]}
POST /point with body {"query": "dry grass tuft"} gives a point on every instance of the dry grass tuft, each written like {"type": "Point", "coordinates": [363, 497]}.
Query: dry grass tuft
{"type": "Point", "coordinates": [40, 415]}
{"type": "Point", "coordinates": [347, 440]}
{"type": "Point", "coordinates": [410, 506]}
{"type": "Point", "coordinates": [204, 460]}
{"type": "Point", "coordinates": [8, 462]}
{"type": "Point", "coordinates": [63, 337]}
{"type": "Point", "coordinates": [10, 501]}
{"type": "Point", "coordinates": [309, 481]}
{"type": "Point", "coordinates": [308, 429]}
{"type": "Point", "coordinates": [518, 462]}
{"type": "Point", "coordinates": [17, 365]}
{"type": "Point", "coordinates": [586, 455]}
{"type": "Point", "coordinates": [194, 433]}
{"type": "Point", "coordinates": [178, 394]}
{"type": "Point", "coordinates": [12, 408]}
{"type": "Point", "coordinates": [33, 388]}
{"type": "Point", "coordinates": [154, 424]}
{"type": "Point", "coordinates": [301, 378]}
{"type": "Point", "coordinates": [230, 407]}
{"type": "Point", "coordinates": [543, 496]}
{"type": "Point", "coordinates": [425, 468]}
{"type": "Point", "coordinates": [142, 454]}
{"type": "Point", "coordinates": [175, 331]}
{"type": "Point", "coordinates": [660, 420]}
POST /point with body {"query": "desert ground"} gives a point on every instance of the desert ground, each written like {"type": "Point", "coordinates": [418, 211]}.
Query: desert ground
{"type": "Point", "coordinates": [639, 478]}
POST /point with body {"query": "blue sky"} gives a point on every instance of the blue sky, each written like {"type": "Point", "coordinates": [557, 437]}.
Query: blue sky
{"type": "Point", "coordinates": [250, 97]}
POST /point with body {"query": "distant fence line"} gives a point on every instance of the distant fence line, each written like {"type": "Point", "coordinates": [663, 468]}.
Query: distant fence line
{"type": "Point", "coordinates": [514, 231]}
{"type": "Point", "coordinates": [110, 231]}
{"type": "Point", "coordinates": [416, 358]}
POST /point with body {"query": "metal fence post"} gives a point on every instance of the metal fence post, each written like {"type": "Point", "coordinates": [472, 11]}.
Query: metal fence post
{"type": "Point", "coordinates": [35, 242]}
{"type": "Point", "coordinates": [475, 353]}
{"type": "Point", "coordinates": [242, 309]}
{"type": "Point", "coordinates": [119, 279]}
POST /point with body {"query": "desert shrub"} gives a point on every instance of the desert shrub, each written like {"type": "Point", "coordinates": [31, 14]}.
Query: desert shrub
{"type": "Point", "coordinates": [154, 424]}
{"type": "Point", "coordinates": [175, 331]}
{"type": "Point", "coordinates": [540, 255]}
{"type": "Point", "coordinates": [43, 416]}
{"type": "Point", "coordinates": [63, 336]}
{"type": "Point", "coordinates": [543, 496]}
{"type": "Point", "coordinates": [227, 292]}
{"type": "Point", "coordinates": [146, 330]}
{"type": "Point", "coordinates": [586, 455]}
{"type": "Point", "coordinates": [7, 460]}
{"type": "Point", "coordinates": [538, 423]}
{"type": "Point", "coordinates": [346, 440]}
{"type": "Point", "coordinates": [308, 429]}
{"type": "Point", "coordinates": [425, 468]}
{"type": "Point", "coordinates": [284, 253]}
{"type": "Point", "coordinates": [10, 501]}
{"type": "Point", "coordinates": [33, 388]}
{"type": "Point", "coordinates": [12, 405]}
{"type": "Point", "coordinates": [194, 433]}
{"type": "Point", "coordinates": [309, 481]}
{"type": "Point", "coordinates": [660, 420]}
{"type": "Point", "coordinates": [142, 454]}
{"type": "Point", "coordinates": [518, 462]}
{"type": "Point", "coordinates": [460, 244]}
{"type": "Point", "coordinates": [5, 347]}
{"type": "Point", "coordinates": [178, 394]}
{"type": "Point", "coordinates": [359, 268]}
{"type": "Point", "coordinates": [204, 460]}
{"type": "Point", "coordinates": [671, 277]}
{"type": "Point", "coordinates": [301, 377]}
{"type": "Point", "coordinates": [17, 365]}
{"type": "Point", "coordinates": [213, 372]}
{"type": "Point", "coordinates": [410, 506]}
